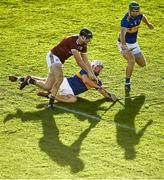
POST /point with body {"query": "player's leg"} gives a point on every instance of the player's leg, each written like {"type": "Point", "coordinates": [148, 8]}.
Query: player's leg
{"type": "Point", "coordinates": [39, 78]}
{"type": "Point", "coordinates": [60, 98]}
{"type": "Point", "coordinates": [66, 98]}
{"type": "Point", "coordinates": [51, 60]}
{"type": "Point", "coordinates": [66, 93]}
{"type": "Point", "coordinates": [129, 69]}
{"type": "Point", "coordinates": [130, 58]}
{"type": "Point", "coordinates": [38, 81]}
{"type": "Point", "coordinates": [56, 70]}
{"type": "Point", "coordinates": [44, 83]}
{"type": "Point", "coordinates": [14, 78]}
{"type": "Point", "coordinates": [140, 59]}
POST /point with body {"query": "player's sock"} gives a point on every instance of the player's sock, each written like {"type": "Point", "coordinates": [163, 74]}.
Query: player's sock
{"type": "Point", "coordinates": [127, 84]}
{"type": "Point", "coordinates": [127, 81]}
{"type": "Point", "coordinates": [25, 82]}
{"type": "Point", "coordinates": [20, 79]}
{"type": "Point", "coordinates": [51, 101]}
{"type": "Point", "coordinates": [31, 81]}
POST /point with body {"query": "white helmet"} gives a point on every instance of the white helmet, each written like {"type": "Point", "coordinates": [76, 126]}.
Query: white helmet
{"type": "Point", "coordinates": [96, 63]}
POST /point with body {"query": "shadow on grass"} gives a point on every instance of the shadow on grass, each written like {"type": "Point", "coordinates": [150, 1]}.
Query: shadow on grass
{"type": "Point", "coordinates": [128, 137]}
{"type": "Point", "coordinates": [50, 143]}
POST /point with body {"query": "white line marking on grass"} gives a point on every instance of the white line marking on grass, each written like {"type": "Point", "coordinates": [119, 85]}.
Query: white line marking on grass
{"type": "Point", "coordinates": [78, 112]}
{"type": "Point", "coordinates": [88, 115]}
{"type": "Point", "coordinates": [111, 122]}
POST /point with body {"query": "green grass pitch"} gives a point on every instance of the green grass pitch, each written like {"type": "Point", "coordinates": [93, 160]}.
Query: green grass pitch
{"type": "Point", "coordinates": [92, 138]}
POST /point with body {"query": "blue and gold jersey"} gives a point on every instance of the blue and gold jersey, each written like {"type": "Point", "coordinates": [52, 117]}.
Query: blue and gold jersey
{"type": "Point", "coordinates": [132, 24]}
{"type": "Point", "coordinates": [77, 84]}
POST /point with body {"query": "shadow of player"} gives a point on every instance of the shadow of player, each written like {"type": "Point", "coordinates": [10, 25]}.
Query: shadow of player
{"type": "Point", "coordinates": [50, 143]}
{"type": "Point", "coordinates": [127, 135]}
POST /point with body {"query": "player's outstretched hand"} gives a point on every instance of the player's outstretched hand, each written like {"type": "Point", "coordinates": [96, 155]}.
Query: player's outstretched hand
{"type": "Point", "coordinates": [112, 97]}
{"type": "Point", "coordinates": [151, 26]}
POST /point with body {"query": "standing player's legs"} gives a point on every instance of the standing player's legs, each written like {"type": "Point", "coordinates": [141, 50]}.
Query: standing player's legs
{"type": "Point", "coordinates": [133, 55]}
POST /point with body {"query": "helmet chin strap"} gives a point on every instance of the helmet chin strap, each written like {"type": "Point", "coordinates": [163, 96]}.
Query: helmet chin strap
{"type": "Point", "coordinates": [96, 74]}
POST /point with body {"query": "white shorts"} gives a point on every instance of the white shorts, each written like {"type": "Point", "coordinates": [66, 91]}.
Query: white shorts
{"type": "Point", "coordinates": [65, 88]}
{"type": "Point", "coordinates": [52, 59]}
{"type": "Point", "coordinates": [136, 47]}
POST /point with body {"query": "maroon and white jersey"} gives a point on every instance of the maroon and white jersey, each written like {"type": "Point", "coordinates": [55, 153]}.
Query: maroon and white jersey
{"type": "Point", "coordinates": [63, 49]}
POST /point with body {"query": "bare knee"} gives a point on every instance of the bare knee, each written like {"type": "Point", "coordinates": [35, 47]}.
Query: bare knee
{"type": "Point", "coordinates": [73, 99]}
{"type": "Point", "coordinates": [70, 98]}
{"type": "Point", "coordinates": [140, 60]}
{"type": "Point", "coordinates": [66, 98]}
{"type": "Point", "coordinates": [143, 64]}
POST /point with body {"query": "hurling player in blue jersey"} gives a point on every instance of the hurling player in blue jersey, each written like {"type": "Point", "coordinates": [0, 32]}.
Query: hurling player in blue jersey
{"type": "Point", "coordinates": [127, 41]}
{"type": "Point", "coordinates": [74, 85]}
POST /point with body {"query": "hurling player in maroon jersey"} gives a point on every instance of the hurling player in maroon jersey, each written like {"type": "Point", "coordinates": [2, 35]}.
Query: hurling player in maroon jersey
{"type": "Point", "coordinates": [76, 46]}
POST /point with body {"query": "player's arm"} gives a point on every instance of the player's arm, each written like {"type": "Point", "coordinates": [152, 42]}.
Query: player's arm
{"type": "Point", "coordinates": [123, 32]}
{"type": "Point", "coordinates": [108, 95]}
{"type": "Point", "coordinates": [100, 89]}
{"type": "Point", "coordinates": [85, 59]}
{"type": "Point", "coordinates": [104, 92]}
{"type": "Point", "coordinates": [90, 71]}
{"type": "Point", "coordinates": [79, 59]}
{"type": "Point", "coordinates": [86, 80]}
{"type": "Point", "coordinates": [147, 22]}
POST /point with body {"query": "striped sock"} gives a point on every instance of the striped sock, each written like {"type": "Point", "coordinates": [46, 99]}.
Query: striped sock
{"type": "Point", "coordinates": [20, 79]}
{"type": "Point", "coordinates": [127, 81]}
